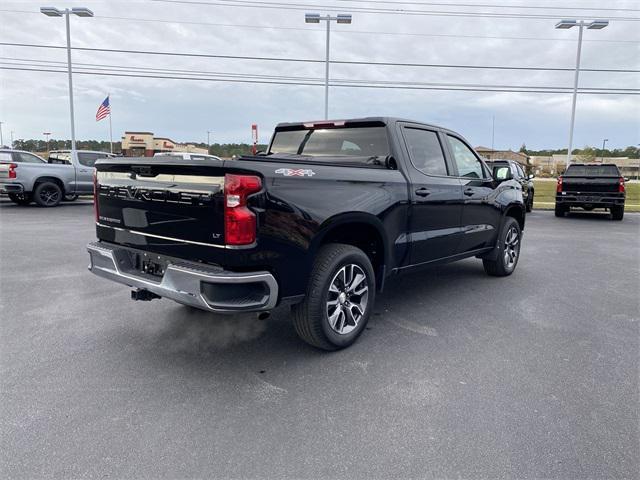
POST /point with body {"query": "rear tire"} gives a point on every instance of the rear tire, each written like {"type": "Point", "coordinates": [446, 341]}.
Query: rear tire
{"type": "Point", "coordinates": [508, 250]}
{"type": "Point", "coordinates": [561, 210]}
{"type": "Point", "coordinates": [47, 194]}
{"type": "Point", "coordinates": [617, 212]}
{"type": "Point", "coordinates": [20, 198]}
{"type": "Point", "coordinates": [339, 298]}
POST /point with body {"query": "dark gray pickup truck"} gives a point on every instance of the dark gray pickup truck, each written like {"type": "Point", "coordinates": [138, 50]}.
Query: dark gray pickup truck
{"type": "Point", "coordinates": [589, 186]}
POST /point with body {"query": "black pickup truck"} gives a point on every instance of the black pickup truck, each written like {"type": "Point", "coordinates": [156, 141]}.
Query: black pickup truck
{"type": "Point", "coordinates": [589, 186]}
{"type": "Point", "coordinates": [321, 220]}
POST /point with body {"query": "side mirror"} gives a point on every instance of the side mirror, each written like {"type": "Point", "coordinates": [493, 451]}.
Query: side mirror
{"type": "Point", "coordinates": [531, 176]}
{"type": "Point", "coordinates": [502, 173]}
{"type": "Point", "coordinates": [626, 179]}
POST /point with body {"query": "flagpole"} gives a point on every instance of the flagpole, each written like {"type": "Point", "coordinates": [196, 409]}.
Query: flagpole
{"type": "Point", "coordinates": [110, 130]}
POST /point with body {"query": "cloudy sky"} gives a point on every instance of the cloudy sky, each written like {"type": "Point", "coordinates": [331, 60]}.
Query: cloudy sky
{"type": "Point", "coordinates": [32, 102]}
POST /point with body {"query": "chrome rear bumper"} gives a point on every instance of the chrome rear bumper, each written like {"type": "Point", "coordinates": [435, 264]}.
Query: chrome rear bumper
{"type": "Point", "coordinates": [198, 285]}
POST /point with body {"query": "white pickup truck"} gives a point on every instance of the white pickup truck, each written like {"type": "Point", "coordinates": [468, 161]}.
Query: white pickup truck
{"type": "Point", "coordinates": [26, 177]}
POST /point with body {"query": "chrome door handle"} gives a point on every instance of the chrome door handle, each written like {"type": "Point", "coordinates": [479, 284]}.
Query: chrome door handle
{"type": "Point", "coordinates": [469, 191]}
{"type": "Point", "coordinates": [423, 192]}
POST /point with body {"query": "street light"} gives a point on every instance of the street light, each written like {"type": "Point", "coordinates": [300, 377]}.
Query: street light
{"type": "Point", "coordinates": [1, 141]}
{"type": "Point", "coordinates": [208, 141]}
{"type": "Point", "coordinates": [564, 25]}
{"type": "Point", "coordinates": [603, 144]}
{"type": "Point", "coordinates": [316, 18]}
{"type": "Point", "coordinates": [80, 12]}
{"type": "Point", "coordinates": [47, 135]}
{"type": "Point", "coordinates": [12, 132]}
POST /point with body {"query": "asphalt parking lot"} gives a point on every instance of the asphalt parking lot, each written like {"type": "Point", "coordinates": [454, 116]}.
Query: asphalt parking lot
{"type": "Point", "coordinates": [458, 376]}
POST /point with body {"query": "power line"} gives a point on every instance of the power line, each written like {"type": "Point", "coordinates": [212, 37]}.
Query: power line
{"type": "Point", "coordinates": [372, 10]}
{"type": "Point", "coordinates": [310, 60]}
{"type": "Point", "coordinates": [333, 83]}
{"type": "Point", "coordinates": [341, 32]}
{"type": "Point", "coordinates": [484, 5]}
{"type": "Point", "coordinates": [137, 68]}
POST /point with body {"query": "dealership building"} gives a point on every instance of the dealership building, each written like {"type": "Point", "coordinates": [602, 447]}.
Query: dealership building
{"type": "Point", "coordinates": [145, 144]}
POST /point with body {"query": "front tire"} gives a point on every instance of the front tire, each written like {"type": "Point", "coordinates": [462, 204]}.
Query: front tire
{"type": "Point", "coordinates": [508, 250]}
{"type": "Point", "coordinates": [529, 205]}
{"type": "Point", "coordinates": [47, 194]}
{"type": "Point", "coordinates": [617, 212]}
{"type": "Point", "coordinates": [339, 298]}
{"type": "Point", "coordinates": [20, 198]}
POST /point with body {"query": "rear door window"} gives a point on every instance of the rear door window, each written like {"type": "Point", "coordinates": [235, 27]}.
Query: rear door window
{"type": "Point", "coordinates": [88, 159]}
{"type": "Point", "coordinates": [469, 166]}
{"type": "Point", "coordinates": [425, 151]}
{"type": "Point", "coordinates": [5, 157]}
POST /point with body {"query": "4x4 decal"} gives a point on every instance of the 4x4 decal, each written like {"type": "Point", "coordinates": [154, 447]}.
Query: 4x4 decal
{"type": "Point", "coordinates": [296, 172]}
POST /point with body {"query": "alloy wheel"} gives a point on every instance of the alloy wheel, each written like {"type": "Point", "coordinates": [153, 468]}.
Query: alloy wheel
{"type": "Point", "coordinates": [50, 196]}
{"type": "Point", "coordinates": [511, 247]}
{"type": "Point", "coordinates": [347, 298]}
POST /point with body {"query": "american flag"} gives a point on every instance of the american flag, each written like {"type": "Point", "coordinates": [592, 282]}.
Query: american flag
{"type": "Point", "coordinates": [103, 110]}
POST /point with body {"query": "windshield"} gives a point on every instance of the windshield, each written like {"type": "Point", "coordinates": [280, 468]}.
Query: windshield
{"type": "Point", "coordinates": [353, 144]}
{"type": "Point", "coordinates": [592, 171]}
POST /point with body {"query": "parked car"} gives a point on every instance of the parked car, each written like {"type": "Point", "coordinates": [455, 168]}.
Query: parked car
{"type": "Point", "coordinates": [322, 220]}
{"type": "Point", "coordinates": [514, 170]}
{"type": "Point", "coordinates": [589, 186]}
{"type": "Point", "coordinates": [188, 156]}
{"type": "Point", "coordinates": [27, 177]}
{"type": "Point", "coordinates": [9, 162]}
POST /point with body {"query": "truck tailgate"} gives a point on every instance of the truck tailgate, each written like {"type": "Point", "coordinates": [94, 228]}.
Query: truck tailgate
{"type": "Point", "coordinates": [163, 199]}
{"type": "Point", "coordinates": [590, 184]}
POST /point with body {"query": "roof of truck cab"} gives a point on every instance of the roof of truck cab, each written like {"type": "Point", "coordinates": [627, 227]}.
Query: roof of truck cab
{"type": "Point", "coordinates": [384, 120]}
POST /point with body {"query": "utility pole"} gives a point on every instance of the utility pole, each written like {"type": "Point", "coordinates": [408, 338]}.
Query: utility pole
{"type": "Point", "coordinates": [12, 132]}
{"type": "Point", "coordinates": [209, 141]}
{"type": "Point", "coordinates": [493, 130]}
{"type": "Point", "coordinates": [1, 141]}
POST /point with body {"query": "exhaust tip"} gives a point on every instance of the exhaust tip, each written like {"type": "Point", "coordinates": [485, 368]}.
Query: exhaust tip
{"type": "Point", "coordinates": [263, 315]}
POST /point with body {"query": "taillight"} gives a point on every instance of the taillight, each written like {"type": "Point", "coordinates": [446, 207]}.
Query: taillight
{"type": "Point", "coordinates": [559, 186]}
{"type": "Point", "coordinates": [95, 195]}
{"type": "Point", "coordinates": [621, 185]}
{"type": "Point", "coordinates": [12, 170]}
{"type": "Point", "coordinates": [239, 221]}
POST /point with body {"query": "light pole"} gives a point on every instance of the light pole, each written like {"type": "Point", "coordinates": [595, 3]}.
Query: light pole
{"type": "Point", "coordinates": [46, 136]}
{"type": "Point", "coordinates": [564, 25]}
{"type": "Point", "coordinates": [602, 154]}
{"type": "Point", "coordinates": [1, 141]}
{"type": "Point", "coordinates": [208, 141]}
{"type": "Point", "coordinates": [12, 132]}
{"type": "Point", "coordinates": [80, 12]}
{"type": "Point", "coordinates": [315, 18]}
